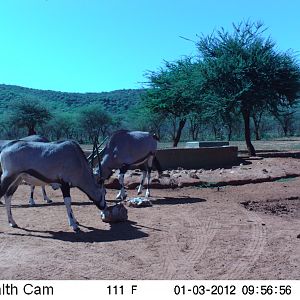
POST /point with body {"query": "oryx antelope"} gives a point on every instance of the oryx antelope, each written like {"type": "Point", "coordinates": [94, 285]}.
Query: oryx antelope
{"type": "Point", "coordinates": [63, 163]}
{"type": "Point", "coordinates": [32, 138]}
{"type": "Point", "coordinates": [126, 149]}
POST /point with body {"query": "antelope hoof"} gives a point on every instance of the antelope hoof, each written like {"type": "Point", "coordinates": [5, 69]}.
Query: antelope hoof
{"type": "Point", "coordinates": [31, 202]}
{"type": "Point", "coordinates": [77, 230]}
{"type": "Point", "coordinates": [48, 201]}
{"type": "Point", "coordinates": [13, 225]}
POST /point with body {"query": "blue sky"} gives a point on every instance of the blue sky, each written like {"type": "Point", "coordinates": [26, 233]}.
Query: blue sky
{"type": "Point", "coordinates": [104, 45]}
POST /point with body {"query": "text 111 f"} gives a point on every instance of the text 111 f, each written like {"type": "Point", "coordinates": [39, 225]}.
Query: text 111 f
{"type": "Point", "coordinates": [119, 289]}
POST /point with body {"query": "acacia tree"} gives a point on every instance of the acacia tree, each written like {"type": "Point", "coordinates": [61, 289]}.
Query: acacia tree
{"type": "Point", "coordinates": [257, 117]}
{"type": "Point", "coordinates": [94, 120]}
{"type": "Point", "coordinates": [244, 71]}
{"type": "Point", "coordinates": [142, 118]}
{"type": "Point", "coordinates": [195, 120]}
{"type": "Point", "coordinates": [7, 129]}
{"type": "Point", "coordinates": [171, 93]}
{"type": "Point", "coordinates": [62, 125]}
{"type": "Point", "coordinates": [219, 113]}
{"type": "Point", "coordinates": [28, 113]}
{"type": "Point", "coordinates": [285, 119]}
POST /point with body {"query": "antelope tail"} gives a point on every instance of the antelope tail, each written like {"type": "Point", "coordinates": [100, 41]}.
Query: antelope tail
{"type": "Point", "coordinates": [155, 137]}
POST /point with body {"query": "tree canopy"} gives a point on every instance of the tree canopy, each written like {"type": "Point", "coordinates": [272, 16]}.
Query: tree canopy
{"type": "Point", "coordinates": [243, 72]}
{"type": "Point", "coordinates": [172, 92]}
{"type": "Point", "coordinates": [29, 114]}
{"type": "Point", "coordinates": [95, 121]}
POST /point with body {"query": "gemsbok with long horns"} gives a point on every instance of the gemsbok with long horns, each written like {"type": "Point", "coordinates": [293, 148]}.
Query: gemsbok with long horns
{"type": "Point", "coordinates": [62, 163]}
{"type": "Point", "coordinates": [126, 149]}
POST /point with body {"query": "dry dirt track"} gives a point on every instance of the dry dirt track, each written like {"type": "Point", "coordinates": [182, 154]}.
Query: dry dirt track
{"type": "Point", "coordinates": [189, 233]}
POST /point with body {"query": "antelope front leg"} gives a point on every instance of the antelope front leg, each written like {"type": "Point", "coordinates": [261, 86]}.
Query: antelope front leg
{"type": "Point", "coordinates": [147, 194]}
{"type": "Point", "coordinates": [140, 189]}
{"type": "Point", "coordinates": [122, 193]}
{"type": "Point", "coordinates": [67, 200]}
{"type": "Point", "coordinates": [71, 218]}
{"type": "Point", "coordinates": [149, 169]}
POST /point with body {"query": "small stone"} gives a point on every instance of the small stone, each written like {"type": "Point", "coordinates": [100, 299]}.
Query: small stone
{"type": "Point", "coordinates": [135, 174]}
{"type": "Point", "coordinates": [177, 175]}
{"type": "Point", "coordinates": [194, 175]}
{"type": "Point", "coordinates": [165, 175]}
{"type": "Point", "coordinates": [155, 180]}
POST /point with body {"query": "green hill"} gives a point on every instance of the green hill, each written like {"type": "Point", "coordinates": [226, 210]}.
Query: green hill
{"type": "Point", "coordinates": [115, 102]}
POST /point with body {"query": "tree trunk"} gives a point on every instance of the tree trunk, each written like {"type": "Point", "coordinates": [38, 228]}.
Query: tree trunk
{"type": "Point", "coordinates": [31, 130]}
{"type": "Point", "coordinates": [285, 130]}
{"type": "Point", "coordinates": [178, 133]}
{"type": "Point", "coordinates": [197, 133]}
{"type": "Point", "coordinates": [229, 134]}
{"type": "Point", "coordinates": [256, 131]}
{"type": "Point", "coordinates": [193, 133]}
{"type": "Point", "coordinates": [57, 135]}
{"type": "Point", "coordinates": [215, 131]}
{"type": "Point", "coordinates": [256, 122]}
{"type": "Point", "coordinates": [194, 129]}
{"type": "Point", "coordinates": [246, 117]}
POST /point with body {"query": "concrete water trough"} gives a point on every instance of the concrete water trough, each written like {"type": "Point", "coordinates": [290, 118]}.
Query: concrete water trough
{"type": "Point", "coordinates": [197, 144]}
{"type": "Point", "coordinates": [197, 158]}
{"type": "Point", "coordinates": [194, 158]}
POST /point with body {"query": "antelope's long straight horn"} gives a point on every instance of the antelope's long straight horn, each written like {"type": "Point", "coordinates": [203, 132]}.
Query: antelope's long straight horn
{"type": "Point", "coordinates": [98, 158]}
{"type": "Point", "coordinates": [93, 154]}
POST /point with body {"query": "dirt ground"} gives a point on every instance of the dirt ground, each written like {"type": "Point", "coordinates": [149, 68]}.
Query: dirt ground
{"type": "Point", "coordinates": [237, 223]}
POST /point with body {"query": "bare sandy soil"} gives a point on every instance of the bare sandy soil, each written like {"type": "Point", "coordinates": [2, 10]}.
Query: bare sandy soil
{"type": "Point", "coordinates": [237, 223]}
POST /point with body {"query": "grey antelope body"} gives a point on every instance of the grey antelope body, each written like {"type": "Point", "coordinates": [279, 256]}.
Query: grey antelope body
{"type": "Point", "coordinates": [33, 182]}
{"type": "Point", "coordinates": [63, 163]}
{"type": "Point", "coordinates": [126, 149]}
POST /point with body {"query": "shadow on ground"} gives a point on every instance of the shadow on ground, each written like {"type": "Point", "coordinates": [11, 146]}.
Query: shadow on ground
{"type": "Point", "coordinates": [176, 201]}
{"type": "Point", "coordinates": [117, 232]}
{"type": "Point", "coordinates": [159, 201]}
